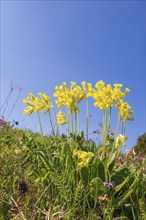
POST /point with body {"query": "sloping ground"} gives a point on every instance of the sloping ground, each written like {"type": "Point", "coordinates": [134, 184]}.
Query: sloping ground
{"type": "Point", "coordinates": [40, 178]}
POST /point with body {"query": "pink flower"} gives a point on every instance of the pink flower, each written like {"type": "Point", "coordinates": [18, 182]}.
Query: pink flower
{"type": "Point", "coordinates": [141, 158]}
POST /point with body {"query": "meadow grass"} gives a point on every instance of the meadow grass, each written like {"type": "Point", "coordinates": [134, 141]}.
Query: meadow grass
{"type": "Point", "coordinates": [41, 177]}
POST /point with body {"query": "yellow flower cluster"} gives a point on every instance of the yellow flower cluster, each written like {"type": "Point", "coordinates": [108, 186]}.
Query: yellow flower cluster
{"type": "Point", "coordinates": [124, 111]}
{"type": "Point", "coordinates": [32, 106]}
{"type": "Point", "coordinates": [117, 92]}
{"type": "Point", "coordinates": [123, 107]}
{"type": "Point", "coordinates": [69, 97]}
{"type": "Point", "coordinates": [61, 118]}
{"type": "Point", "coordinates": [35, 104]}
{"type": "Point", "coordinates": [85, 157]}
{"type": "Point", "coordinates": [87, 88]}
{"type": "Point", "coordinates": [106, 96]}
{"type": "Point", "coordinates": [120, 140]}
{"type": "Point", "coordinates": [45, 102]}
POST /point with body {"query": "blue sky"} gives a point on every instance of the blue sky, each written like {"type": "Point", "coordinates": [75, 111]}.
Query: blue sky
{"type": "Point", "coordinates": [44, 43]}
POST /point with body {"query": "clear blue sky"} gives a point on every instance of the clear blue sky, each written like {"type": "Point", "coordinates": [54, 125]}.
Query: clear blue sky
{"type": "Point", "coordinates": [44, 43]}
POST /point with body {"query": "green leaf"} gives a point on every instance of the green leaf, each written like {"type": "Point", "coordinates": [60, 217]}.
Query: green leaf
{"type": "Point", "coordinates": [66, 150]}
{"type": "Point", "coordinates": [38, 179]}
{"type": "Point", "coordinates": [121, 200]}
{"type": "Point", "coordinates": [111, 162]}
{"type": "Point", "coordinates": [45, 161]}
{"type": "Point", "coordinates": [120, 176]}
{"type": "Point", "coordinates": [84, 175]}
{"type": "Point", "coordinates": [101, 171]}
{"type": "Point", "coordinates": [5, 209]}
{"type": "Point", "coordinates": [98, 168]}
{"type": "Point", "coordinates": [96, 187]}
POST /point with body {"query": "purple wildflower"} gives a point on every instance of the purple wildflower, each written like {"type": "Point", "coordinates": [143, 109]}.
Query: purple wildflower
{"type": "Point", "coordinates": [121, 160]}
{"type": "Point", "coordinates": [3, 124]}
{"type": "Point", "coordinates": [2, 121]}
{"type": "Point", "coordinates": [109, 184]}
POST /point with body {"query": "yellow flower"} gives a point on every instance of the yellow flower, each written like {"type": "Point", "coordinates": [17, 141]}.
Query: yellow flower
{"type": "Point", "coordinates": [117, 85]}
{"type": "Point", "coordinates": [100, 84]}
{"type": "Point", "coordinates": [61, 118]}
{"type": "Point", "coordinates": [28, 110]}
{"type": "Point", "coordinates": [69, 97]}
{"type": "Point", "coordinates": [78, 94]}
{"type": "Point", "coordinates": [45, 102]}
{"type": "Point", "coordinates": [35, 104]}
{"type": "Point", "coordinates": [85, 157]}
{"type": "Point", "coordinates": [32, 103]}
{"type": "Point", "coordinates": [62, 94]}
{"type": "Point", "coordinates": [103, 95]}
{"type": "Point", "coordinates": [83, 164]}
{"type": "Point", "coordinates": [124, 111]}
{"type": "Point", "coordinates": [120, 140]}
{"type": "Point", "coordinates": [118, 95]}
{"type": "Point", "coordinates": [87, 89]}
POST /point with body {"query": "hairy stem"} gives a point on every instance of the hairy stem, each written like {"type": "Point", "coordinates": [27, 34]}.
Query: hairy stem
{"type": "Point", "coordinates": [51, 123]}
{"type": "Point", "coordinates": [87, 112]}
{"type": "Point", "coordinates": [40, 124]}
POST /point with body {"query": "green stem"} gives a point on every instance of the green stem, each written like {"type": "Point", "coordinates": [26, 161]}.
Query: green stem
{"type": "Point", "coordinates": [51, 123]}
{"type": "Point", "coordinates": [108, 124]}
{"type": "Point", "coordinates": [72, 121]}
{"type": "Point", "coordinates": [75, 126]}
{"type": "Point", "coordinates": [124, 127]}
{"type": "Point", "coordinates": [117, 128]}
{"type": "Point", "coordinates": [75, 123]}
{"type": "Point", "coordinates": [116, 133]}
{"type": "Point", "coordinates": [104, 133]}
{"type": "Point", "coordinates": [79, 123]}
{"type": "Point", "coordinates": [68, 123]}
{"type": "Point", "coordinates": [103, 127]}
{"type": "Point", "coordinates": [41, 129]}
{"type": "Point", "coordinates": [87, 110]}
{"type": "Point", "coordinates": [57, 128]}
{"type": "Point", "coordinates": [109, 119]}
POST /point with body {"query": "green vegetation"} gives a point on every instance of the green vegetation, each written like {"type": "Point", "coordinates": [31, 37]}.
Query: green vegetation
{"type": "Point", "coordinates": [69, 177]}
{"type": "Point", "coordinates": [140, 147]}
{"type": "Point", "coordinates": [52, 178]}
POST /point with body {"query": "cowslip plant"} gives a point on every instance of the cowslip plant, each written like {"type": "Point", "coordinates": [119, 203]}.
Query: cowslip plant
{"type": "Point", "coordinates": [76, 172]}
{"type": "Point", "coordinates": [106, 97]}
{"type": "Point", "coordinates": [35, 105]}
